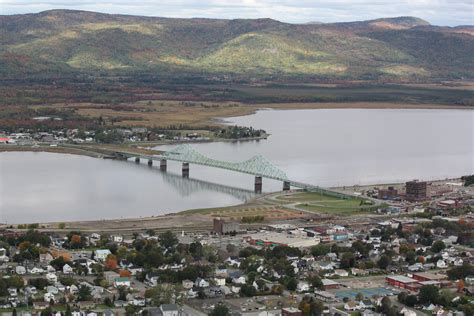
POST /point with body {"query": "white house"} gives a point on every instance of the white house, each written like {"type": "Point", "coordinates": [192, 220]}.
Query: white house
{"type": "Point", "coordinates": [116, 238]}
{"type": "Point", "coordinates": [138, 301]}
{"type": "Point", "coordinates": [365, 304]}
{"type": "Point", "coordinates": [52, 290]}
{"type": "Point", "coordinates": [12, 291]}
{"type": "Point", "coordinates": [20, 270]}
{"type": "Point", "coordinates": [73, 289]}
{"type": "Point", "coordinates": [122, 282]}
{"type": "Point", "coordinates": [219, 281]}
{"type": "Point", "coordinates": [48, 297]}
{"type": "Point", "coordinates": [341, 272]}
{"type": "Point", "coordinates": [67, 269]}
{"type": "Point", "coordinates": [407, 312]}
{"type": "Point", "coordinates": [233, 262]}
{"type": "Point", "coordinates": [45, 258]}
{"type": "Point", "coordinates": [3, 255]}
{"type": "Point", "coordinates": [351, 306]}
{"type": "Point", "coordinates": [302, 287]}
{"type": "Point", "coordinates": [36, 270]}
{"type": "Point", "coordinates": [187, 284]}
{"type": "Point", "coordinates": [52, 278]}
{"type": "Point", "coordinates": [458, 262]}
{"type": "Point", "coordinates": [101, 254]}
{"type": "Point", "coordinates": [240, 280]}
{"type": "Point", "coordinates": [170, 310]}
{"type": "Point", "coordinates": [201, 283]}
{"type": "Point", "coordinates": [441, 264]}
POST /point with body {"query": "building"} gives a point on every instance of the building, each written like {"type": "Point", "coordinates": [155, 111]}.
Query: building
{"type": "Point", "coordinates": [5, 140]}
{"type": "Point", "coordinates": [170, 310]}
{"type": "Point", "coordinates": [415, 190]}
{"type": "Point", "coordinates": [291, 311]}
{"type": "Point", "coordinates": [122, 282]}
{"type": "Point", "coordinates": [330, 284]}
{"type": "Point", "coordinates": [424, 276]}
{"type": "Point", "coordinates": [325, 296]}
{"type": "Point", "coordinates": [101, 254]}
{"type": "Point", "coordinates": [222, 227]}
{"type": "Point", "coordinates": [402, 282]}
{"type": "Point", "coordinates": [270, 239]}
{"type": "Point", "coordinates": [387, 194]}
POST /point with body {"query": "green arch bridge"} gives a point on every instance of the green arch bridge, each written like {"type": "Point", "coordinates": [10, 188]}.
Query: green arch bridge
{"type": "Point", "coordinates": [258, 166]}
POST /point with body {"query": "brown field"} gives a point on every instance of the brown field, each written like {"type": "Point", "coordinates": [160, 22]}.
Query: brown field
{"type": "Point", "coordinates": [269, 212]}
{"type": "Point", "coordinates": [199, 114]}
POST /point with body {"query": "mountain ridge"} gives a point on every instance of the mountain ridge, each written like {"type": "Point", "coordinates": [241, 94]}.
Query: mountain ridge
{"type": "Point", "coordinates": [70, 41]}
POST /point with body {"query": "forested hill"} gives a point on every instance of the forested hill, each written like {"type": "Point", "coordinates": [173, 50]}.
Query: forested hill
{"type": "Point", "coordinates": [65, 42]}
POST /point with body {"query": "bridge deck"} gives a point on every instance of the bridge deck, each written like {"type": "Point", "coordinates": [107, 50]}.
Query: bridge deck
{"type": "Point", "coordinates": [257, 166]}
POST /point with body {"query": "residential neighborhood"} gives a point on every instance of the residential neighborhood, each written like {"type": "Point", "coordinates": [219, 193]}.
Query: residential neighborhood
{"type": "Point", "coordinates": [405, 265]}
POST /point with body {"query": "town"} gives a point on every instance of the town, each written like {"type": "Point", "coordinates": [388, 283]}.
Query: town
{"type": "Point", "coordinates": [413, 258]}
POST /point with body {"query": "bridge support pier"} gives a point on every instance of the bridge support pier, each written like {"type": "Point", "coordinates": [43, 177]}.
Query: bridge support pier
{"type": "Point", "coordinates": [150, 162]}
{"type": "Point", "coordinates": [163, 164]}
{"type": "Point", "coordinates": [185, 169]}
{"type": "Point", "coordinates": [286, 186]}
{"type": "Point", "coordinates": [137, 159]}
{"type": "Point", "coordinates": [258, 184]}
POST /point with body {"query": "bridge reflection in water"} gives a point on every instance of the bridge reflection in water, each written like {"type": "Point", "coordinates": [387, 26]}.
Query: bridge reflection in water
{"type": "Point", "coordinates": [258, 166]}
{"type": "Point", "coordinates": [187, 186]}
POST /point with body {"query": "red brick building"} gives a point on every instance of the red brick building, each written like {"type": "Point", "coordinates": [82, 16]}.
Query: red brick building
{"type": "Point", "coordinates": [403, 282]}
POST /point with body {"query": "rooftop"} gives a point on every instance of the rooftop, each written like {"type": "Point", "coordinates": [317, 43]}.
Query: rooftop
{"type": "Point", "coordinates": [402, 279]}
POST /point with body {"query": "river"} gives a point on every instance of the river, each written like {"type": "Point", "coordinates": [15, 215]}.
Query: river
{"type": "Point", "coordinates": [330, 147]}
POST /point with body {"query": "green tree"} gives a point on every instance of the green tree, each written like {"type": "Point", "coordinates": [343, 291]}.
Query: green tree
{"type": "Point", "coordinates": [248, 290]}
{"type": "Point", "coordinates": [291, 284]}
{"type": "Point", "coordinates": [386, 305]}
{"type": "Point", "coordinates": [384, 262]}
{"type": "Point", "coordinates": [438, 246]}
{"type": "Point", "coordinates": [316, 282]}
{"type": "Point", "coordinates": [168, 239]}
{"type": "Point", "coordinates": [161, 294]}
{"type": "Point", "coordinates": [220, 310]}
{"type": "Point", "coordinates": [320, 250]}
{"type": "Point", "coordinates": [16, 281]}
{"type": "Point", "coordinates": [47, 311]}
{"type": "Point", "coordinates": [311, 307]}
{"type": "Point", "coordinates": [461, 272]}
{"type": "Point", "coordinates": [428, 294]}
{"type": "Point", "coordinates": [411, 300]}
{"type": "Point", "coordinates": [316, 308]}
{"type": "Point", "coordinates": [347, 260]}
{"type": "Point", "coordinates": [84, 293]}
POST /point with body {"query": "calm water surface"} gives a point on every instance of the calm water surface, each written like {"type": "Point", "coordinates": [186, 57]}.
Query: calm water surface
{"type": "Point", "coordinates": [323, 147]}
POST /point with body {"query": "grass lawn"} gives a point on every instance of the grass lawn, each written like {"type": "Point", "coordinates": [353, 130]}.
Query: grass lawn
{"type": "Point", "coordinates": [317, 202]}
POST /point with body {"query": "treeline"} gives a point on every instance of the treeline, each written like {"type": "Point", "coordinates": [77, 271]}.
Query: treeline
{"type": "Point", "coordinates": [236, 132]}
{"type": "Point", "coordinates": [468, 180]}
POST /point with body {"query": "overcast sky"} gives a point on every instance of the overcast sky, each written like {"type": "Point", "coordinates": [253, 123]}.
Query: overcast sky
{"type": "Point", "coordinates": [439, 12]}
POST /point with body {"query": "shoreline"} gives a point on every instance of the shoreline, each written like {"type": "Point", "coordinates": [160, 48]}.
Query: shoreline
{"type": "Point", "coordinates": [195, 220]}
{"type": "Point", "coordinates": [251, 109]}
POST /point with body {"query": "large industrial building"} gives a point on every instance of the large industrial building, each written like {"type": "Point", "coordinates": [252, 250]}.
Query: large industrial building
{"type": "Point", "coordinates": [416, 190]}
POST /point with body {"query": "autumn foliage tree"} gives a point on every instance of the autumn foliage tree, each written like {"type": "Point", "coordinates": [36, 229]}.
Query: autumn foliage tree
{"type": "Point", "coordinates": [125, 274]}
{"type": "Point", "coordinates": [111, 262]}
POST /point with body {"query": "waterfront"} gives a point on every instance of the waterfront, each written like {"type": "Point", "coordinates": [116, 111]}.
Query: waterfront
{"type": "Point", "coordinates": [322, 147]}
{"type": "Point", "coordinates": [337, 147]}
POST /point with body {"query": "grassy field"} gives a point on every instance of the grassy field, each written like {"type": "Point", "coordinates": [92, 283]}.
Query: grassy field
{"type": "Point", "coordinates": [318, 203]}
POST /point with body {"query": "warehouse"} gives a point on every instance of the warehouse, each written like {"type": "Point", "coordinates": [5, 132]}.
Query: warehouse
{"type": "Point", "coordinates": [403, 282]}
